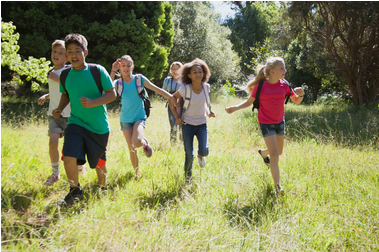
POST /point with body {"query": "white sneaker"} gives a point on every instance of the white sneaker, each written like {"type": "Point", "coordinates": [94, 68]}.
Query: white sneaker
{"type": "Point", "coordinates": [201, 161]}
{"type": "Point", "coordinates": [51, 180]}
{"type": "Point", "coordinates": [82, 169]}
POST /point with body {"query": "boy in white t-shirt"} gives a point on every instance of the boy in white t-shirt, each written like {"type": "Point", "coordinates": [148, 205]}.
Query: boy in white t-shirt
{"type": "Point", "coordinates": [56, 126]}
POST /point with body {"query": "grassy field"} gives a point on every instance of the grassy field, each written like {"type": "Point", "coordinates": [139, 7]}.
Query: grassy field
{"type": "Point", "coordinates": [329, 170]}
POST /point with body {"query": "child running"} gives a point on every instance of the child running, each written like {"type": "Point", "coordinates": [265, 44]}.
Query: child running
{"type": "Point", "coordinates": [271, 111]}
{"type": "Point", "coordinates": [171, 84]}
{"type": "Point", "coordinates": [133, 115]}
{"type": "Point", "coordinates": [194, 76]}
{"type": "Point", "coordinates": [87, 132]}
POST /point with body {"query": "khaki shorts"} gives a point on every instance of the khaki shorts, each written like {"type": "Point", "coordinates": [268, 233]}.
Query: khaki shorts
{"type": "Point", "coordinates": [57, 125]}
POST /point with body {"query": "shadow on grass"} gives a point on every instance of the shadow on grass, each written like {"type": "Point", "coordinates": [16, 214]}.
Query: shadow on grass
{"type": "Point", "coordinates": [342, 125]}
{"type": "Point", "coordinates": [265, 204]}
{"type": "Point", "coordinates": [161, 198]}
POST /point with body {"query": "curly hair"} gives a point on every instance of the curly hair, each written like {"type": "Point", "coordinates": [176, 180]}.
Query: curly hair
{"type": "Point", "coordinates": [186, 70]}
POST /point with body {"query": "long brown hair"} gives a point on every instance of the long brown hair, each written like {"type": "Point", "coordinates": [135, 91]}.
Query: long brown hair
{"type": "Point", "coordinates": [264, 72]}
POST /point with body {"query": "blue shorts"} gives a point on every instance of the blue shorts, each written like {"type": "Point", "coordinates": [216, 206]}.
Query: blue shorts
{"type": "Point", "coordinates": [273, 129]}
{"type": "Point", "coordinates": [79, 141]}
{"type": "Point", "coordinates": [127, 126]}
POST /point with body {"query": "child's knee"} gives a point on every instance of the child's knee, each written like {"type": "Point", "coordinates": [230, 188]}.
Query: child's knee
{"type": "Point", "coordinates": [137, 142]}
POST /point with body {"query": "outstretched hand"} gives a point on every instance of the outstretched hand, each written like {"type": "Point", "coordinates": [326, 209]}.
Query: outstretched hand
{"type": "Point", "coordinates": [230, 110]}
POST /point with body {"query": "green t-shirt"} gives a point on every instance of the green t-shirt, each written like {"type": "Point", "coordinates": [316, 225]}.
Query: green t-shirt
{"type": "Point", "coordinates": [80, 83]}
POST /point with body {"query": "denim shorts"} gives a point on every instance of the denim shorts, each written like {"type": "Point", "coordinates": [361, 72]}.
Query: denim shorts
{"type": "Point", "coordinates": [127, 126]}
{"type": "Point", "coordinates": [273, 129]}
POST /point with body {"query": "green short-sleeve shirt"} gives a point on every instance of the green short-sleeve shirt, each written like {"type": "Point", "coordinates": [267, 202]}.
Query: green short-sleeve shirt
{"type": "Point", "coordinates": [80, 83]}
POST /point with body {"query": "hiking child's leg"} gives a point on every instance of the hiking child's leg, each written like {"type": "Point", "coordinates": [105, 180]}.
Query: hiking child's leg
{"type": "Point", "coordinates": [272, 146]}
{"type": "Point", "coordinates": [53, 147]}
{"type": "Point", "coordinates": [71, 170]}
{"type": "Point", "coordinates": [280, 143]}
{"type": "Point", "coordinates": [102, 176]}
{"type": "Point", "coordinates": [173, 126]}
{"type": "Point", "coordinates": [202, 138]}
{"type": "Point", "coordinates": [188, 136]}
{"type": "Point", "coordinates": [132, 150]}
{"type": "Point", "coordinates": [137, 137]}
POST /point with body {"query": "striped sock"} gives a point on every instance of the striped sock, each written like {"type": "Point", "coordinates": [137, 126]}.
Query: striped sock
{"type": "Point", "coordinates": [55, 168]}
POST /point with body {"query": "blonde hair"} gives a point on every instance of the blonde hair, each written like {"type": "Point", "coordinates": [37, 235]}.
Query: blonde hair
{"type": "Point", "coordinates": [57, 42]}
{"type": "Point", "coordinates": [175, 63]}
{"type": "Point", "coordinates": [264, 72]}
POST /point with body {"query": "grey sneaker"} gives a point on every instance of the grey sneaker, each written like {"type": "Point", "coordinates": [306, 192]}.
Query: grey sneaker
{"type": "Point", "coordinates": [265, 159]}
{"type": "Point", "coordinates": [51, 180]}
{"type": "Point", "coordinates": [147, 149]}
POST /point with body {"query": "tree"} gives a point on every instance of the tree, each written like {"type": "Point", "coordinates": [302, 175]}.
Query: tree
{"type": "Point", "coordinates": [33, 69]}
{"type": "Point", "coordinates": [199, 35]}
{"type": "Point", "coordinates": [140, 29]}
{"type": "Point", "coordinates": [250, 27]}
{"type": "Point", "coordinates": [349, 32]}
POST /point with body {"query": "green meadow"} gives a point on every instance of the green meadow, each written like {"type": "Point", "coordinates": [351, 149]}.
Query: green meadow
{"type": "Point", "coordinates": [329, 171]}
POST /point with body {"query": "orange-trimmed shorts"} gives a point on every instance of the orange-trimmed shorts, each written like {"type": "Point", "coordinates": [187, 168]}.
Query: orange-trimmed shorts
{"type": "Point", "coordinates": [79, 142]}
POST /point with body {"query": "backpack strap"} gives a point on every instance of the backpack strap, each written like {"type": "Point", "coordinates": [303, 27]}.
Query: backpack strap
{"type": "Point", "coordinates": [207, 100]}
{"type": "Point", "coordinates": [139, 84]}
{"type": "Point", "coordinates": [187, 99]}
{"type": "Point", "coordinates": [96, 76]}
{"type": "Point", "coordinates": [290, 93]}
{"type": "Point", "coordinates": [62, 79]}
{"type": "Point", "coordinates": [256, 101]}
{"type": "Point", "coordinates": [120, 86]}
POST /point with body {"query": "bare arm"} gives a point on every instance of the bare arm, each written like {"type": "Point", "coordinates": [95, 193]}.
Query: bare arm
{"type": "Point", "coordinates": [53, 76]}
{"type": "Point", "coordinates": [156, 89]}
{"type": "Point", "coordinates": [173, 106]}
{"type": "Point", "coordinates": [242, 105]}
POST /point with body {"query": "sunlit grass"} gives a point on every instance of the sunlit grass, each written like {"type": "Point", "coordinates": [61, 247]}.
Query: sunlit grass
{"type": "Point", "coordinates": [331, 183]}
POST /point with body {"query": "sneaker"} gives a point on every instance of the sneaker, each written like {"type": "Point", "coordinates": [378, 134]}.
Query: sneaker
{"type": "Point", "coordinates": [51, 180]}
{"type": "Point", "coordinates": [147, 149]}
{"type": "Point", "coordinates": [265, 159]}
{"type": "Point", "coordinates": [201, 161]}
{"type": "Point", "coordinates": [279, 190]}
{"type": "Point", "coordinates": [82, 169]}
{"type": "Point", "coordinates": [74, 196]}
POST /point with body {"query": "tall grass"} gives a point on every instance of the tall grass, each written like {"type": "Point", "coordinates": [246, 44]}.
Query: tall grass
{"type": "Point", "coordinates": [329, 169]}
